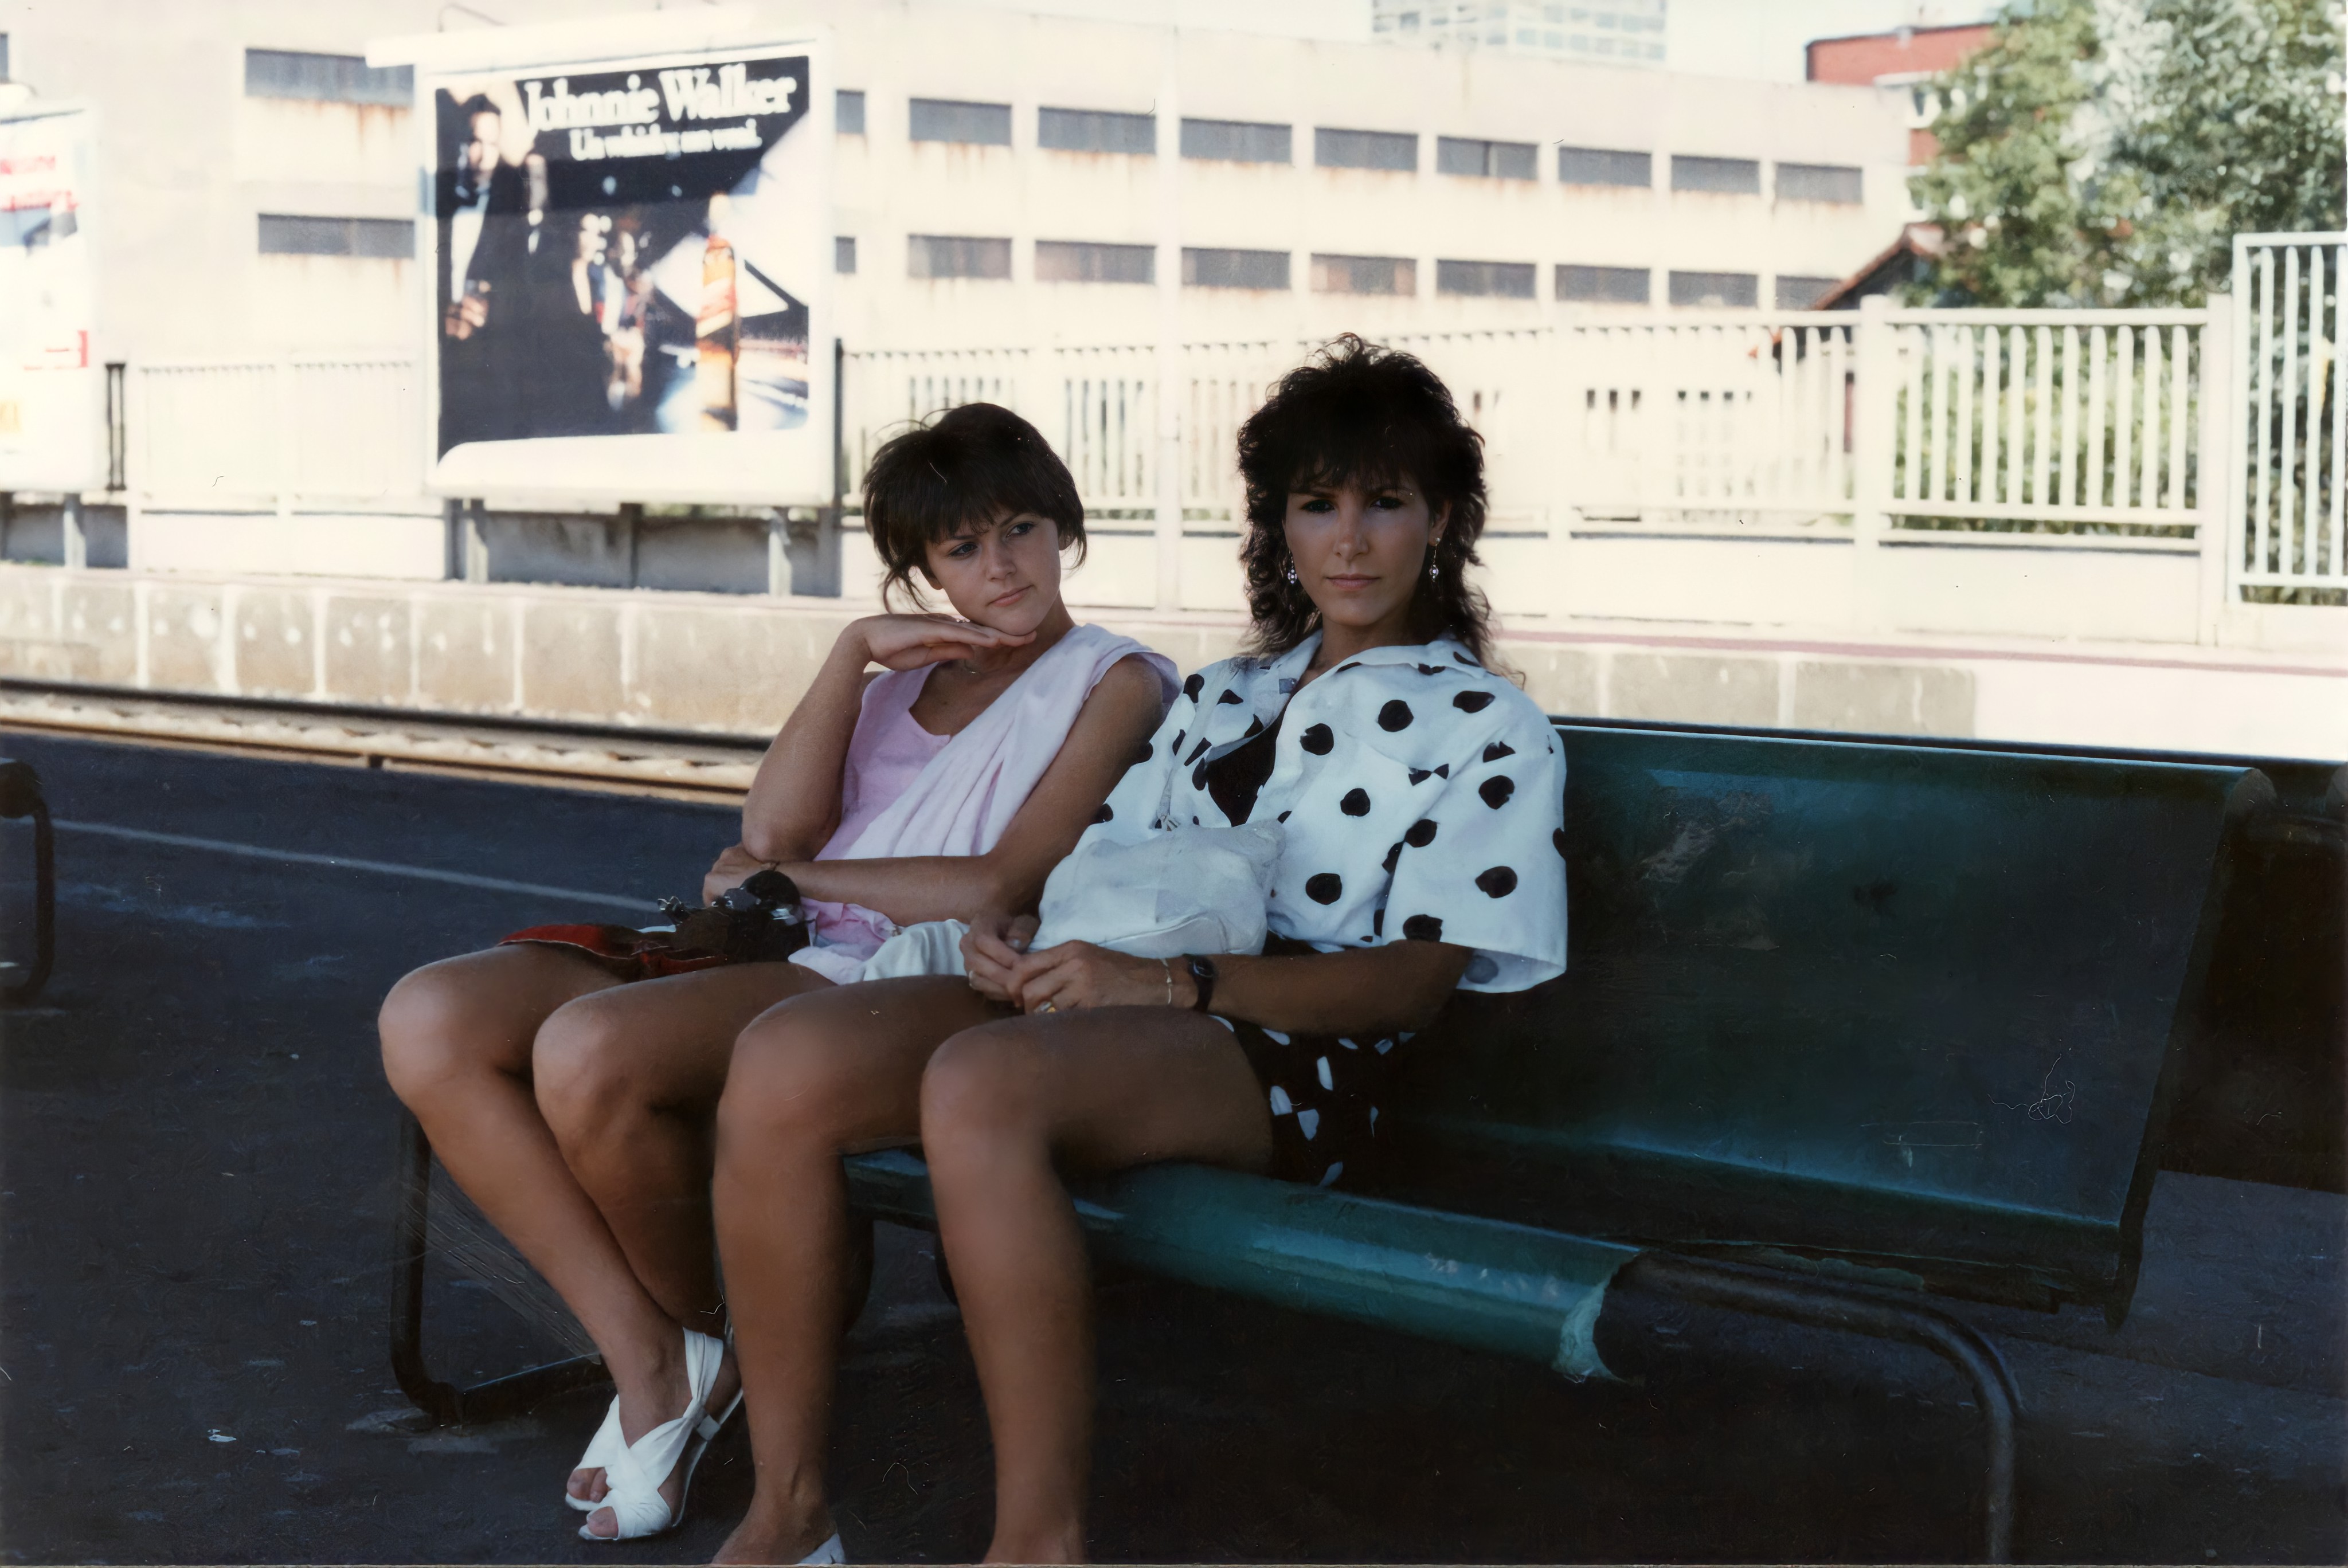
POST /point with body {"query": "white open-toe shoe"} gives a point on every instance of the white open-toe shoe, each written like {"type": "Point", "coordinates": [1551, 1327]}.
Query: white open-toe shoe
{"type": "Point", "coordinates": [602, 1449]}
{"type": "Point", "coordinates": [637, 1471]}
{"type": "Point", "coordinates": [831, 1552]}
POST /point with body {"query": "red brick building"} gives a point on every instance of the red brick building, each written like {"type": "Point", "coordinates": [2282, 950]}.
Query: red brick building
{"type": "Point", "coordinates": [1904, 58]}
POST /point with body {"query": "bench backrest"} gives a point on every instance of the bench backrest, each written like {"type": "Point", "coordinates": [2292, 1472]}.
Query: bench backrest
{"type": "Point", "coordinates": [1870, 1005]}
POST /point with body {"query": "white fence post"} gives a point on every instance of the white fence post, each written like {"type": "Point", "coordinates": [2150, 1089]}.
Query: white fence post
{"type": "Point", "coordinates": [1874, 423]}
{"type": "Point", "coordinates": [285, 460]}
{"type": "Point", "coordinates": [135, 406]}
{"type": "Point", "coordinates": [1172, 381]}
{"type": "Point", "coordinates": [2216, 493]}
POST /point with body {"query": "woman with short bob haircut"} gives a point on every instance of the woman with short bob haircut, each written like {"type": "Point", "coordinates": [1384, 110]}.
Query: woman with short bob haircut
{"type": "Point", "coordinates": [1420, 798]}
{"type": "Point", "coordinates": [567, 1077]}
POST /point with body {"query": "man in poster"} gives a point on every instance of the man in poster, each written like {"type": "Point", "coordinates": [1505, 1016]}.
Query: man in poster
{"type": "Point", "coordinates": [482, 236]}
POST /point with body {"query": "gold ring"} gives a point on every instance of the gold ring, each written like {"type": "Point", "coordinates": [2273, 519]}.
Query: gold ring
{"type": "Point", "coordinates": [1048, 1007]}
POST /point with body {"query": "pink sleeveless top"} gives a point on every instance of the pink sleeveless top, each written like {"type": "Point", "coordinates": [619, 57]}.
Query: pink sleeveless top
{"type": "Point", "coordinates": [894, 803]}
{"type": "Point", "coordinates": [886, 754]}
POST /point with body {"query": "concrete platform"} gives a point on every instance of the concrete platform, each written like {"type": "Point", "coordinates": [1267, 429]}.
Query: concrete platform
{"type": "Point", "coordinates": [195, 1157]}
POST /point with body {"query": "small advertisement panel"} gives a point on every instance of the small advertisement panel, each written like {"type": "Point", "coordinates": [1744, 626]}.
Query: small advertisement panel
{"type": "Point", "coordinates": [630, 261]}
{"type": "Point", "coordinates": [52, 386]}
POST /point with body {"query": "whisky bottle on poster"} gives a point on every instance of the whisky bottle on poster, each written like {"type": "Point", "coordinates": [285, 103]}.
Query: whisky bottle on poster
{"type": "Point", "coordinates": [717, 326]}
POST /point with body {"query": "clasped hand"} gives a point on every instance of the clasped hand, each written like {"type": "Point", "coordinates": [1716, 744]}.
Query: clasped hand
{"type": "Point", "coordinates": [1063, 979]}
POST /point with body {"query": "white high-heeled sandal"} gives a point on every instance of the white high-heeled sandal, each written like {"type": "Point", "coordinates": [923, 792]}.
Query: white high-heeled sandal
{"type": "Point", "coordinates": [637, 1472]}
{"type": "Point", "coordinates": [609, 1441]}
{"type": "Point", "coordinates": [602, 1449]}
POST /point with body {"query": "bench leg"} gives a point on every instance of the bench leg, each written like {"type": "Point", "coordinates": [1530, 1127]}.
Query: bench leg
{"type": "Point", "coordinates": [445, 1403]}
{"type": "Point", "coordinates": [22, 798]}
{"type": "Point", "coordinates": [1832, 1306]}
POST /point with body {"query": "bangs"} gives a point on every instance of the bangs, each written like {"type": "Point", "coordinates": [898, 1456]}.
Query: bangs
{"type": "Point", "coordinates": [1345, 452]}
{"type": "Point", "coordinates": [930, 509]}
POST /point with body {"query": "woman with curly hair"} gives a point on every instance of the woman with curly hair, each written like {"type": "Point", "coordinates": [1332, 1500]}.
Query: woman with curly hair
{"type": "Point", "coordinates": [1419, 797]}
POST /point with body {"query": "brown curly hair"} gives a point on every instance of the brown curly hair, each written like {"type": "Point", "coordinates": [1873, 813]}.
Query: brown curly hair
{"type": "Point", "coordinates": [1360, 414]}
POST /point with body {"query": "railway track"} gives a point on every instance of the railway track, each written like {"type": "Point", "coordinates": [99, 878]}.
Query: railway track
{"type": "Point", "coordinates": [672, 763]}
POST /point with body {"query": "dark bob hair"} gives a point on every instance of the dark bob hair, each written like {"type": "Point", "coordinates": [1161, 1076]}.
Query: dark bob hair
{"type": "Point", "coordinates": [1360, 415]}
{"type": "Point", "coordinates": [965, 469]}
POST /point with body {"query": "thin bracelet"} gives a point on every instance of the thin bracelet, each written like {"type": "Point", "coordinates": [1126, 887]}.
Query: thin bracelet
{"type": "Point", "coordinates": [1167, 965]}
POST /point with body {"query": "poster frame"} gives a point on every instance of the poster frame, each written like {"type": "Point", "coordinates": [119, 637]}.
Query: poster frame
{"type": "Point", "coordinates": [775, 470]}
{"type": "Point", "coordinates": [93, 476]}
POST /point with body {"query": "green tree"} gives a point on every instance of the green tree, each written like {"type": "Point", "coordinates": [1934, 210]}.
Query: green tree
{"type": "Point", "coordinates": [2013, 185]}
{"type": "Point", "coordinates": [2237, 130]}
{"type": "Point", "coordinates": [2107, 153]}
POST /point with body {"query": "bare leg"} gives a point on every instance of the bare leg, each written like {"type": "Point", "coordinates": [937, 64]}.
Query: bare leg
{"type": "Point", "coordinates": [628, 1080]}
{"type": "Point", "coordinates": [999, 1105]}
{"type": "Point", "coordinates": [458, 1037]}
{"type": "Point", "coordinates": [645, 1063]}
{"type": "Point", "coordinates": [823, 1074]}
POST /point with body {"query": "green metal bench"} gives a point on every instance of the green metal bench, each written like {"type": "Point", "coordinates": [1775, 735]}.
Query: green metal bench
{"type": "Point", "coordinates": [2263, 1093]}
{"type": "Point", "coordinates": [1847, 1026]}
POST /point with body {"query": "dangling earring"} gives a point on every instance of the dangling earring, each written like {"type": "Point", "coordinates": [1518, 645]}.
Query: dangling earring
{"type": "Point", "coordinates": [1292, 573]}
{"type": "Point", "coordinates": [1434, 561]}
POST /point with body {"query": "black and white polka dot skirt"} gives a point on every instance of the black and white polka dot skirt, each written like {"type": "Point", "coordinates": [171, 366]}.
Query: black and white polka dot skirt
{"type": "Point", "coordinates": [1325, 1091]}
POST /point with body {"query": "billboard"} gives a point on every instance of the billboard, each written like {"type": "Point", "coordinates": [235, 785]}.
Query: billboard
{"type": "Point", "coordinates": [630, 263]}
{"type": "Point", "coordinates": [52, 384]}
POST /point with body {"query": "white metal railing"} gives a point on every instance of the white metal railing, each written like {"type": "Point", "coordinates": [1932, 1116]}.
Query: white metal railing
{"type": "Point", "coordinates": [2082, 421]}
{"type": "Point", "coordinates": [274, 433]}
{"type": "Point", "coordinates": [1732, 416]}
{"type": "Point", "coordinates": [2290, 424]}
{"type": "Point", "coordinates": [2086, 433]}
{"type": "Point", "coordinates": [2079, 427]}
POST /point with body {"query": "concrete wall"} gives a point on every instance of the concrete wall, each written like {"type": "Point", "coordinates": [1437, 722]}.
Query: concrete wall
{"type": "Point", "coordinates": [737, 664]}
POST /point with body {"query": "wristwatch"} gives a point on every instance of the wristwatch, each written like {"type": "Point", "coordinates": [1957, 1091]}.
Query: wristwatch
{"type": "Point", "coordinates": [1202, 975]}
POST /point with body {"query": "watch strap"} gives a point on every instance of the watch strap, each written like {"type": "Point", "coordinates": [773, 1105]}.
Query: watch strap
{"type": "Point", "coordinates": [1203, 976]}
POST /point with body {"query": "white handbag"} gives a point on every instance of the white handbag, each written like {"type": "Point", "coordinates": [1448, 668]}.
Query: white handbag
{"type": "Point", "coordinates": [1184, 890]}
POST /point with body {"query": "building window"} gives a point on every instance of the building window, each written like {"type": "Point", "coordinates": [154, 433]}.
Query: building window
{"type": "Point", "coordinates": [843, 253]}
{"type": "Point", "coordinates": [1076, 261]}
{"type": "Point", "coordinates": [1801, 293]}
{"type": "Point", "coordinates": [945, 119]}
{"type": "Point", "coordinates": [847, 112]}
{"type": "Point", "coordinates": [1730, 176]}
{"type": "Point", "coordinates": [1486, 159]}
{"type": "Point", "coordinates": [1604, 166]}
{"type": "Point", "coordinates": [1494, 280]}
{"type": "Point", "coordinates": [326, 79]}
{"type": "Point", "coordinates": [1715, 289]}
{"type": "Point", "coordinates": [1365, 149]}
{"type": "Point", "coordinates": [956, 256]}
{"type": "Point", "coordinates": [1236, 141]}
{"type": "Point", "coordinates": [1365, 275]}
{"type": "Point", "coordinates": [1820, 182]}
{"type": "Point", "coordinates": [1204, 268]}
{"type": "Point", "coordinates": [390, 239]}
{"type": "Point", "coordinates": [1095, 130]}
{"type": "Point", "coordinates": [4, 57]}
{"type": "Point", "coordinates": [1604, 285]}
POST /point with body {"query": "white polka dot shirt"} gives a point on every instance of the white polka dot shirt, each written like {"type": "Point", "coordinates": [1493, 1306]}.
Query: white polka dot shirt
{"type": "Point", "coordinates": [1419, 795]}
